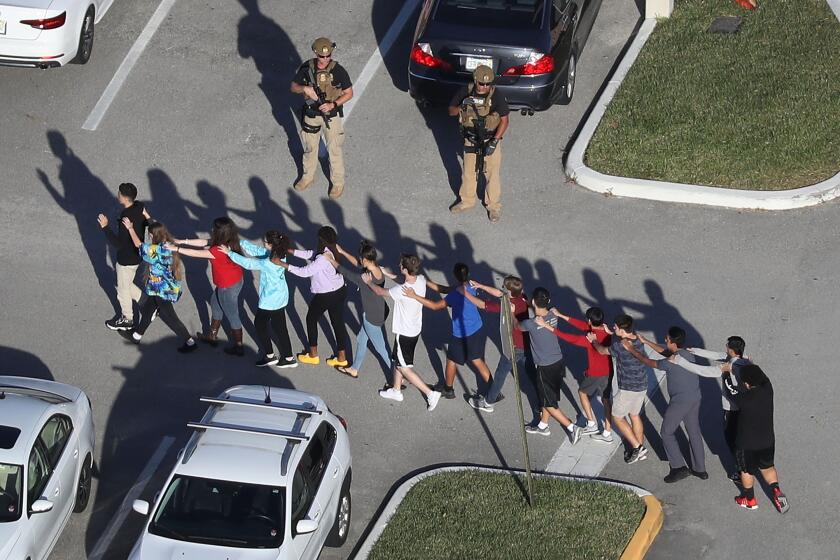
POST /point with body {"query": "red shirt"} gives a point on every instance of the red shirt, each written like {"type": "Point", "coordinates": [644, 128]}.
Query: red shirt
{"type": "Point", "coordinates": [598, 365]}
{"type": "Point", "coordinates": [225, 272]}
{"type": "Point", "coordinates": [520, 310]}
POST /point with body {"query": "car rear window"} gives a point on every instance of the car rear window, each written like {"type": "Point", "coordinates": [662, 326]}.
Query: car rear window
{"type": "Point", "coordinates": [8, 437]}
{"type": "Point", "coordinates": [510, 14]}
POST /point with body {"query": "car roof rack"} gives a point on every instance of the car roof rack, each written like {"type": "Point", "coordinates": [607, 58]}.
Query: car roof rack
{"type": "Point", "coordinates": [48, 396]}
{"type": "Point", "coordinates": [303, 410]}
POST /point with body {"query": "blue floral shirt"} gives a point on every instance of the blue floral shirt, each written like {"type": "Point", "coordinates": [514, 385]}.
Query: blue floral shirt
{"type": "Point", "coordinates": [161, 282]}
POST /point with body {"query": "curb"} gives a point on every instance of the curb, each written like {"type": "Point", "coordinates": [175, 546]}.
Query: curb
{"type": "Point", "coordinates": [664, 191]}
{"type": "Point", "coordinates": [648, 528]}
{"type": "Point", "coordinates": [636, 549]}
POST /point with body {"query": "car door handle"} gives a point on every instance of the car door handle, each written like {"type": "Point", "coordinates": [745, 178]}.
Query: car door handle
{"type": "Point", "coordinates": [56, 491]}
{"type": "Point", "coordinates": [75, 453]}
{"type": "Point", "coordinates": [335, 473]}
{"type": "Point", "coordinates": [316, 515]}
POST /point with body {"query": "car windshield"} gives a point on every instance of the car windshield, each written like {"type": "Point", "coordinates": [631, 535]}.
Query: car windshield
{"type": "Point", "coordinates": [11, 486]}
{"type": "Point", "coordinates": [221, 513]}
{"type": "Point", "coordinates": [510, 14]}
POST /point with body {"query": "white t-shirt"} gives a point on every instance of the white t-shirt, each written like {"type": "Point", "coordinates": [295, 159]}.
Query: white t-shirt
{"type": "Point", "coordinates": [408, 313]}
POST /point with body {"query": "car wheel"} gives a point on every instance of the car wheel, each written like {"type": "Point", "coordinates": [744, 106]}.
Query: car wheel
{"type": "Point", "coordinates": [85, 39]}
{"type": "Point", "coordinates": [83, 489]}
{"type": "Point", "coordinates": [341, 527]}
{"type": "Point", "coordinates": [567, 90]}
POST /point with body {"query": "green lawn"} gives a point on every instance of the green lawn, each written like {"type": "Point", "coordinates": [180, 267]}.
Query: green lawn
{"type": "Point", "coordinates": [474, 514]}
{"type": "Point", "coordinates": [759, 109]}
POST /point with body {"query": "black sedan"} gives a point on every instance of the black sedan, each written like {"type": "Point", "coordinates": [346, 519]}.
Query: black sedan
{"type": "Point", "coordinates": [532, 45]}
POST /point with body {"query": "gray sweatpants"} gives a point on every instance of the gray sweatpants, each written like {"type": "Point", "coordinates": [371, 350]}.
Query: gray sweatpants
{"type": "Point", "coordinates": [686, 411]}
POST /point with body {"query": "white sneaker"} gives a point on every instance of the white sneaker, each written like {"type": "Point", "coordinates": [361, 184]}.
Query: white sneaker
{"type": "Point", "coordinates": [574, 435]}
{"type": "Point", "coordinates": [433, 399]}
{"type": "Point", "coordinates": [392, 394]}
{"type": "Point", "coordinates": [602, 438]}
{"type": "Point", "coordinates": [590, 428]}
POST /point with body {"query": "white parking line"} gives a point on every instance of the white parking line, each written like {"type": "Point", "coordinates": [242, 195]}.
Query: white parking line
{"type": "Point", "coordinates": [116, 522]}
{"type": "Point", "coordinates": [96, 116]}
{"type": "Point", "coordinates": [375, 59]}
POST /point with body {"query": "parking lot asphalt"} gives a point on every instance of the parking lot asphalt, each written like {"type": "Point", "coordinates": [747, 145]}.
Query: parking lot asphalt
{"type": "Point", "coordinates": [205, 126]}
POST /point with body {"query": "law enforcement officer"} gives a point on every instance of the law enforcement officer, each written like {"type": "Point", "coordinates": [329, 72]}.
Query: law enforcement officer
{"type": "Point", "coordinates": [476, 102]}
{"type": "Point", "coordinates": [325, 86]}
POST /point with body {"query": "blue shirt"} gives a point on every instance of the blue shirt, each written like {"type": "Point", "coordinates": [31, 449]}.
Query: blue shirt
{"type": "Point", "coordinates": [466, 319]}
{"type": "Point", "coordinates": [274, 292]}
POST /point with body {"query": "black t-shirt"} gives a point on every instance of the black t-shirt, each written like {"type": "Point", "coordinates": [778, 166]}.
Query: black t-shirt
{"type": "Point", "coordinates": [755, 419]}
{"type": "Point", "coordinates": [498, 103]}
{"type": "Point", "coordinates": [127, 253]}
{"type": "Point", "coordinates": [341, 79]}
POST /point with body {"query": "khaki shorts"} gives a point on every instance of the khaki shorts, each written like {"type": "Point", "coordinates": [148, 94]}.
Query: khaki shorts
{"type": "Point", "coordinates": [628, 402]}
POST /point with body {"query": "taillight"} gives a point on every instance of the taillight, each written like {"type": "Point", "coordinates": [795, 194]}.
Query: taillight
{"type": "Point", "coordinates": [538, 63]}
{"type": "Point", "coordinates": [342, 420]}
{"type": "Point", "coordinates": [422, 55]}
{"type": "Point", "coordinates": [49, 23]}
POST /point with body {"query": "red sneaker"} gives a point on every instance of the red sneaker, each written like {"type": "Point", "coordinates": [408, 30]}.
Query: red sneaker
{"type": "Point", "coordinates": [748, 503]}
{"type": "Point", "coordinates": [780, 501]}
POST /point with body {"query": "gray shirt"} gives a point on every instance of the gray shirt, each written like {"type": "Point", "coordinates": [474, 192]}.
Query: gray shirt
{"type": "Point", "coordinates": [374, 307]}
{"type": "Point", "coordinates": [545, 346]}
{"type": "Point", "coordinates": [631, 374]}
{"type": "Point", "coordinates": [682, 383]}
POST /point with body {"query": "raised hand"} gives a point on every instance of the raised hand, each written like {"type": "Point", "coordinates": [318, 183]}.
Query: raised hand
{"type": "Point", "coordinates": [367, 278]}
{"type": "Point", "coordinates": [103, 220]}
{"type": "Point", "coordinates": [541, 323]}
{"type": "Point", "coordinates": [409, 292]}
{"type": "Point", "coordinates": [127, 223]}
{"type": "Point", "coordinates": [224, 249]}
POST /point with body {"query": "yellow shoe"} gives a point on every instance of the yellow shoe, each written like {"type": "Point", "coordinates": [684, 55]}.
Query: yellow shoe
{"type": "Point", "coordinates": [305, 358]}
{"type": "Point", "coordinates": [335, 362]}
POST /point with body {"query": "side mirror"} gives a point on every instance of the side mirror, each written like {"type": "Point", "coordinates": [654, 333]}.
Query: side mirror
{"type": "Point", "coordinates": [141, 507]}
{"type": "Point", "coordinates": [305, 526]}
{"type": "Point", "coordinates": [41, 506]}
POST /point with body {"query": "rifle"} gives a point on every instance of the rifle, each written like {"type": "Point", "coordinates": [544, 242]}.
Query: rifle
{"type": "Point", "coordinates": [479, 136]}
{"type": "Point", "coordinates": [312, 107]}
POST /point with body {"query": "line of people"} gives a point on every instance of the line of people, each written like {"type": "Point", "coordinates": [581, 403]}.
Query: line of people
{"type": "Point", "coordinates": [617, 364]}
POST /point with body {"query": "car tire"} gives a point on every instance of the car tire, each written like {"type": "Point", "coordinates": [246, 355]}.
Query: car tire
{"type": "Point", "coordinates": [567, 90]}
{"type": "Point", "coordinates": [83, 488]}
{"type": "Point", "coordinates": [341, 526]}
{"type": "Point", "coordinates": [85, 48]}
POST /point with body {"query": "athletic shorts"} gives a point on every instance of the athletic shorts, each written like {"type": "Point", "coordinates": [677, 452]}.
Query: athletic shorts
{"type": "Point", "coordinates": [462, 350]}
{"type": "Point", "coordinates": [404, 350]}
{"type": "Point", "coordinates": [550, 383]}
{"type": "Point", "coordinates": [751, 460]}
{"type": "Point", "coordinates": [628, 402]}
{"type": "Point", "coordinates": [591, 386]}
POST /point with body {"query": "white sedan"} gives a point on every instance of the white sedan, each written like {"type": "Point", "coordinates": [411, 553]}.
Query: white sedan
{"type": "Point", "coordinates": [48, 33]}
{"type": "Point", "coordinates": [46, 462]}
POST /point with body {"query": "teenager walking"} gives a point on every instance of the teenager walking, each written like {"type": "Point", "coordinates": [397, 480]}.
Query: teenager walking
{"type": "Point", "coordinates": [466, 343]}
{"type": "Point", "coordinates": [632, 386]}
{"type": "Point", "coordinates": [374, 308]}
{"type": "Point", "coordinates": [163, 287]}
{"type": "Point", "coordinates": [328, 294]}
{"type": "Point", "coordinates": [597, 377]}
{"type": "Point", "coordinates": [406, 326]}
{"type": "Point", "coordinates": [227, 278]}
{"type": "Point", "coordinates": [128, 259]}
{"type": "Point", "coordinates": [513, 286]}
{"type": "Point", "coordinates": [274, 295]}
{"type": "Point", "coordinates": [755, 440]}
{"type": "Point", "coordinates": [548, 358]}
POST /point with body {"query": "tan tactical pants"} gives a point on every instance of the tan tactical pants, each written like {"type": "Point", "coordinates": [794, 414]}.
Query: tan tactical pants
{"type": "Point", "coordinates": [127, 290]}
{"type": "Point", "coordinates": [334, 139]}
{"type": "Point", "coordinates": [493, 187]}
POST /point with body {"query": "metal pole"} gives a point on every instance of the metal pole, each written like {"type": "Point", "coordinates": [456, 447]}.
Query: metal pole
{"type": "Point", "coordinates": [508, 337]}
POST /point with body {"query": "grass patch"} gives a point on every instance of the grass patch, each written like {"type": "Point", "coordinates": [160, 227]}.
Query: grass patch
{"type": "Point", "coordinates": [759, 109]}
{"type": "Point", "coordinates": [474, 514]}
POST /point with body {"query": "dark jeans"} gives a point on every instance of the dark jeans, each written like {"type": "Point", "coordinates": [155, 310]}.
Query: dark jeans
{"type": "Point", "coordinates": [166, 310]}
{"type": "Point", "coordinates": [277, 319]}
{"type": "Point", "coordinates": [333, 304]}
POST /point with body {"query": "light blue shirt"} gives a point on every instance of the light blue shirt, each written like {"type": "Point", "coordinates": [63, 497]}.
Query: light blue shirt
{"type": "Point", "coordinates": [274, 293]}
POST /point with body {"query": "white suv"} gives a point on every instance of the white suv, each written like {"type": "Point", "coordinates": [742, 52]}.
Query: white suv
{"type": "Point", "coordinates": [46, 461]}
{"type": "Point", "coordinates": [266, 475]}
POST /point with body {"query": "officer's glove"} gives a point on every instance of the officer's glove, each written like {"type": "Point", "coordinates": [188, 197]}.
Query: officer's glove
{"type": "Point", "coordinates": [491, 146]}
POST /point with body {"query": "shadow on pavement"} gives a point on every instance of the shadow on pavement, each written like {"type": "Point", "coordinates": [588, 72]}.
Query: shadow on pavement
{"type": "Point", "coordinates": [21, 363]}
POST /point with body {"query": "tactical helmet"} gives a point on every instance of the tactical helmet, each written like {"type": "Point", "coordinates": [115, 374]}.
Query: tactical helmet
{"type": "Point", "coordinates": [323, 46]}
{"type": "Point", "coordinates": [483, 74]}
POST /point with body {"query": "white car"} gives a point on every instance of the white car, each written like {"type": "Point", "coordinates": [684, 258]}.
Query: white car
{"type": "Point", "coordinates": [266, 475]}
{"type": "Point", "coordinates": [48, 33]}
{"type": "Point", "coordinates": [46, 461]}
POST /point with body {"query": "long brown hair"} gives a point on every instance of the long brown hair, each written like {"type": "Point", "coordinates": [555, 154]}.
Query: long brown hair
{"type": "Point", "coordinates": [225, 232]}
{"type": "Point", "coordinates": [161, 235]}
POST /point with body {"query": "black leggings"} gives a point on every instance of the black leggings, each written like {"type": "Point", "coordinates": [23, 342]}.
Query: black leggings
{"type": "Point", "coordinates": [277, 318]}
{"type": "Point", "coordinates": [167, 314]}
{"type": "Point", "coordinates": [332, 303]}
